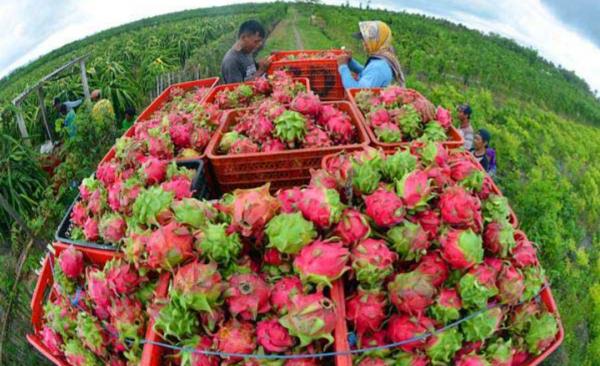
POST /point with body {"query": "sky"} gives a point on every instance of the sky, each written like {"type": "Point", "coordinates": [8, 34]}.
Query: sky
{"type": "Point", "coordinates": [566, 32]}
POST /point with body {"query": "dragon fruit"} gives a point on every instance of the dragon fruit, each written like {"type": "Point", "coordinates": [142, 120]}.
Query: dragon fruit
{"type": "Point", "coordinates": [409, 359]}
{"type": "Point", "coordinates": [77, 354]}
{"type": "Point", "coordinates": [197, 286]}
{"type": "Point", "coordinates": [289, 233]}
{"type": "Point", "coordinates": [495, 208]}
{"type": "Point", "coordinates": [247, 296]}
{"type": "Point", "coordinates": [98, 291]}
{"type": "Point", "coordinates": [384, 207]}
{"type": "Point", "coordinates": [173, 321]}
{"type": "Point", "coordinates": [411, 292]}
{"type": "Point", "coordinates": [168, 246]}
{"type": "Point", "coordinates": [316, 138]}
{"type": "Point", "coordinates": [214, 243]}
{"type": "Point", "coordinates": [433, 132]}
{"type": "Point", "coordinates": [461, 248]}
{"type": "Point", "coordinates": [228, 140]}
{"type": "Point", "coordinates": [388, 132]}
{"type": "Point", "coordinates": [434, 267]}
{"type": "Point", "coordinates": [511, 285]}
{"type": "Point", "coordinates": [107, 173]}
{"type": "Point", "coordinates": [498, 238]}
{"type": "Point", "coordinates": [467, 174]}
{"type": "Point", "coordinates": [372, 262]}
{"type": "Point", "coordinates": [402, 327]}
{"type": "Point", "coordinates": [290, 127]}
{"type": "Point", "coordinates": [366, 175]}
{"type": "Point", "coordinates": [154, 170]}
{"type": "Point", "coordinates": [483, 325]}
{"type": "Point", "coordinates": [197, 343]}
{"type": "Point", "coordinates": [472, 360]}
{"type": "Point", "coordinates": [236, 337]}
{"type": "Point", "coordinates": [79, 214]}
{"type": "Point", "coordinates": [367, 311]}
{"type": "Point", "coordinates": [408, 119]}
{"type": "Point", "coordinates": [151, 207]}
{"type": "Point", "coordinates": [250, 210]}
{"type": "Point", "coordinates": [112, 228]}
{"type": "Point", "coordinates": [524, 254]}
{"type": "Point", "coordinates": [91, 333]}
{"type": "Point", "coordinates": [444, 117]}
{"type": "Point", "coordinates": [353, 227]}
{"type": "Point", "coordinates": [322, 262]}
{"type": "Point", "coordinates": [500, 352]}
{"type": "Point", "coordinates": [261, 129]}
{"type": "Point", "coordinates": [396, 166]}
{"type": "Point", "coordinates": [262, 86]}
{"type": "Point", "coordinates": [272, 145]}
{"type": "Point", "coordinates": [341, 130]}
{"type": "Point", "coordinates": [90, 229]}
{"type": "Point", "coordinates": [289, 198]}
{"type": "Point", "coordinates": [310, 317]}
{"type": "Point", "coordinates": [520, 317]}
{"type": "Point", "coordinates": [441, 347]}
{"type": "Point", "coordinates": [321, 205]}
{"type": "Point", "coordinates": [447, 306]}
{"type": "Point", "coordinates": [272, 336]}
{"type": "Point", "coordinates": [52, 340]}
{"type": "Point", "coordinates": [243, 146]}
{"type": "Point", "coordinates": [97, 202]}
{"type": "Point", "coordinates": [192, 212]}
{"type": "Point", "coordinates": [121, 277]}
{"type": "Point", "coordinates": [429, 221]}
{"type": "Point", "coordinates": [379, 117]}
{"type": "Point", "coordinates": [322, 178]}
{"type": "Point", "coordinates": [460, 209]}
{"type": "Point", "coordinates": [541, 333]}
{"type": "Point", "coordinates": [127, 317]}
{"type": "Point", "coordinates": [307, 103]}
{"type": "Point", "coordinates": [134, 247]}
{"type": "Point", "coordinates": [409, 240]}
{"type": "Point", "coordinates": [181, 187]}
{"type": "Point", "coordinates": [180, 134]}
{"type": "Point", "coordinates": [477, 286]}
{"type": "Point", "coordinates": [414, 189]}
{"type": "Point", "coordinates": [283, 291]}
{"type": "Point", "coordinates": [328, 111]}
{"type": "Point", "coordinates": [534, 280]}
{"type": "Point", "coordinates": [88, 186]}
{"type": "Point", "coordinates": [71, 262]}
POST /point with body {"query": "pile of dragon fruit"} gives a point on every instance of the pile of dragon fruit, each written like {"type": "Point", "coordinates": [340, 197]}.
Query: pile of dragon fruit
{"type": "Point", "coordinates": [279, 86]}
{"type": "Point", "coordinates": [97, 315]}
{"type": "Point", "coordinates": [304, 123]}
{"type": "Point", "coordinates": [323, 55]}
{"type": "Point", "coordinates": [430, 244]}
{"type": "Point", "coordinates": [397, 114]}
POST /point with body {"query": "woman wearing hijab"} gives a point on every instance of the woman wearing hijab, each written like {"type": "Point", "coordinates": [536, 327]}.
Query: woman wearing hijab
{"type": "Point", "coordinates": [382, 66]}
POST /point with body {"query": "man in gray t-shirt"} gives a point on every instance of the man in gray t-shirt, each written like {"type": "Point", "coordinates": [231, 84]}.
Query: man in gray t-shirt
{"type": "Point", "coordinates": [465, 129]}
{"type": "Point", "coordinates": [238, 64]}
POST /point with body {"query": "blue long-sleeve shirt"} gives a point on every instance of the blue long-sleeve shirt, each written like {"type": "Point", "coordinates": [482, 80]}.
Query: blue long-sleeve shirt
{"type": "Point", "coordinates": [377, 74]}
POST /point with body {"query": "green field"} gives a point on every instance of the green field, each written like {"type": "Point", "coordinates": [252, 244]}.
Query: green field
{"type": "Point", "coordinates": [544, 120]}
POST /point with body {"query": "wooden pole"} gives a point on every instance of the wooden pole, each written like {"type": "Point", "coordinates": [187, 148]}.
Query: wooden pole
{"type": "Point", "coordinates": [21, 124]}
{"type": "Point", "coordinates": [84, 80]}
{"type": "Point", "coordinates": [40, 94]}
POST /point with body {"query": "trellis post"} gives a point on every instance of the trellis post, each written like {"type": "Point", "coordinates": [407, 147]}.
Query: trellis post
{"type": "Point", "coordinates": [84, 80]}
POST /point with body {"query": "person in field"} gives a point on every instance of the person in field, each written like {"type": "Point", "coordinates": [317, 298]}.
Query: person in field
{"type": "Point", "coordinates": [465, 128]}
{"type": "Point", "coordinates": [128, 119]}
{"type": "Point", "coordinates": [382, 67]}
{"type": "Point", "coordinates": [483, 152]}
{"type": "Point", "coordinates": [239, 64]}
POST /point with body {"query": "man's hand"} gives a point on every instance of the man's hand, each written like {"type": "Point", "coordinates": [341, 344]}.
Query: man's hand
{"type": "Point", "coordinates": [263, 64]}
{"type": "Point", "coordinates": [344, 58]}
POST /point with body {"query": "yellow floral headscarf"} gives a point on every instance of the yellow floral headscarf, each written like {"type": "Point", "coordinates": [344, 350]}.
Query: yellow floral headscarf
{"type": "Point", "coordinates": [377, 37]}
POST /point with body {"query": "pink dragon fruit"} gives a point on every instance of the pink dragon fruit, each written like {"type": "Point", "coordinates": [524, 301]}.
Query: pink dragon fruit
{"type": "Point", "coordinates": [112, 228]}
{"type": "Point", "coordinates": [372, 262]}
{"type": "Point", "coordinates": [306, 103]}
{"type": "Point", "coordinates": [320, 205]}
{"type": "Point", "coordinates": [180, 186]}
{"type": "Point", "coordinates": [477, 286]}
{"type": "Point", "coordinates": [433, 266]}
{"type": "Point", "coordinates": [250, 210]}
{"type": "Point", "coordinates": [168, 246]}
{"type": "Point", "coordinates": [447, 306]}
{"type": "Point", "coordinates": [542, 333]}
{"type": "Point", "coordinates": [379, 117]}
{"type": "Point", "coordinates": [367, 311]}
{"type": "Point", "coordinates": [461, 248]}
{"type": "Point", "coordinates": [274, 257]}
{"type": "Point", "coordinates": [322, 262]}
{"type": "Point", "coordinates": [154, 170]}
{"type": "Point", "coordinates": [289, 199]}
{"type": "Point", "coordinates": [402, 327]}
{"type": "Point", "coordinates": [441, 347]}
{"type": "Point", "coordinates": [272, 336]}
{"type": "Point", "coordinates": [429, 221]}
{"type": "Point", "coordinates": [71, 262]}
{"type": "Point", "coordinates": [340, 128]}
{"type": "Point", "coordinates": [243, 146]}
{"type": "Point", "coordinates": [114, 201]}
{"type": "Point", "coordinates": [272, 145]}
{"type": "Point", "coordinates": [388, 132]}
{"type": "Point", "coordinates": [466, 173]}
{"type": "Point", "coordinates": [261, 129]}
{"type": "Point", "coordinates": [373, 339]}
{"type": "Point", "coordinates": [127, 317]}
{"type": "Point", "coordinates": [52, 340]}
{"type": "Point", "coordinates": [97, 202]}
{"type": "Point", "coordinates": [498, 238]}
{"type": "Point", "coordinates": [468, 348]}
{"type": "Point", "coordinates": [524, 254]}
{"type": "Point", "coordinates": [460, 209]}
{"type": "Point", "coordinates": [414, 189]}
{"type": "Point", "coordinates": [121, 277]}
{"type": "Point", "coordinates": [235, 337]}
{"type": "Point", "coordinates": [316, 138]}
{"type": "Point", "coordinates": [283, 291]}
{"type": "Point", "coordinates": [159, 144]}
{"type": "Point", "coordinates": [77, 354]}
{"type": "Point", "coordinates": [444, 117]}
{"type": "Point", "coordinates": [483, 325]}
{"type": "Point", "coordinates": [181, 134]}
{"type": "Point", "coordinates": [411, 292]}
{"type": "Point", "coordinates": [262, 86]}
{"type": "Point", "coordinates": [247, 296]}
{"type": "Point", "coordinates": [107, 173]}
{"type": "Point", "coordinates": [197, 286]}
{"type": "Point", "coordinates": [91, 333]}
{"type": "Point", "coordinates": [511, 285]}
{"type": "Point", "coordinates": [311, 317]}
{"type": "Point", "coordinates": [472, 360]}
{"type": "Point", "coordinates": [409, 240]}
{"type": "Point", "coordinates": [353, 227]}
{"type": "Point", "coordinates": [200, 138]}
{"type": "Point", "coordinates": [321, 178]}
{"type": "Point", "coordinates": [196, 358]}
{"type": "Point", "coordinates": [500, 353]}
{"type": "Point", "coordinates": [79, 214]}
{"type": "Point", "coordinates": [384, 207]}
{"type": "Point", "coordinates": [90, 229]}
{"type": "Point", "coordinates": [98, 291]}
{"type": "Point", "coordinates": [121, 195]}
{"type": "Point", "coordinates": [328, 111]}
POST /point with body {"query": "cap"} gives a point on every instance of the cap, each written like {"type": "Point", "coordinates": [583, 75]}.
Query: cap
{"type": "Point", "coordinates": [485, 135]}
{"type": "Point", "coordinates": [465, 108]}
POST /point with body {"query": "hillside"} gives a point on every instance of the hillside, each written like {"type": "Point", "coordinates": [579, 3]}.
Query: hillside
{"type": "Point", "coordinates": [544, 120]}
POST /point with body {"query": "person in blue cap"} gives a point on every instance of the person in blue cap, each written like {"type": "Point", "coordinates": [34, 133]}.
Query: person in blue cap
{"type": "Point", "coordinates": [483, 152]}
{"type": "Point", "coordinates": [465, 128]}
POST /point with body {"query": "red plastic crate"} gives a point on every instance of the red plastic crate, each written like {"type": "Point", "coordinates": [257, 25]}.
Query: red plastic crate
{"type": "Point", "coordinates": [283, 168]}
{"type": "Point", "coordinates": [165, 95]}
{"type": "Point", "coordinates": [455, 139]}
{"type": "Point", "coordinates": [325, 79]}
{"type": "Point", "coordinates": [210, 98]}
{"type": "Point", "coordinates": [152, 353]}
